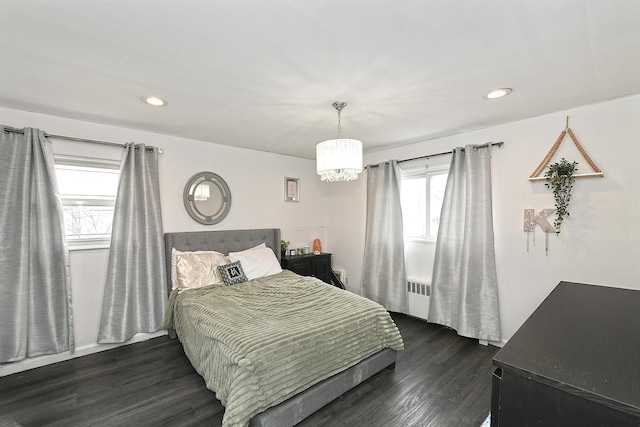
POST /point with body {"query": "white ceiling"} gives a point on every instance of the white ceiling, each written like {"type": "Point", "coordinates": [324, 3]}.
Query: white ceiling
{"type": "Point", "coordinates": [263, 74]}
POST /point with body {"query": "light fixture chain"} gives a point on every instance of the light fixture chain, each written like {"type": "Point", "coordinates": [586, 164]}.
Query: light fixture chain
{"type": "Point", "coordinates": [338, 105]}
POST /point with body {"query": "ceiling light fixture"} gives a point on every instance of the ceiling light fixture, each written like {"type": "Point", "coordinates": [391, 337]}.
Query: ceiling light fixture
{"type": "Point", "coordinates": [156, 101]}
{"type": "Point", "coordinates": [498, 93]}
{"type": "Point", "coordinates": [339, 159]}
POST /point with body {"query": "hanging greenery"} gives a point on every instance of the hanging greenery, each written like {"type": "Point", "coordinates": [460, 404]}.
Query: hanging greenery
{"type": "Point", "coordinates": [560, 178]}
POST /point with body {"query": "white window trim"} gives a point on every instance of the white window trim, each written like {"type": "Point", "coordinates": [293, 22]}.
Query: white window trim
{"type": "Point", "coordinates": [86, 161]}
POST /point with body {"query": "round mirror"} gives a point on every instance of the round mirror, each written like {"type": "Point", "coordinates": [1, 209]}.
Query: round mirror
{"type": "Point", "coordinates": [207, 198]}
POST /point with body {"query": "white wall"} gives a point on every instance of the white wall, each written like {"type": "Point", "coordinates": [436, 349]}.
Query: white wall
{"type": "Point", "coordinates": [256, 181]}
{"type": "Point", "coordinates": [600, 241]}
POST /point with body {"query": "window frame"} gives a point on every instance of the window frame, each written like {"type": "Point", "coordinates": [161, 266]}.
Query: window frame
{"type": "Point", "coordinates": [424, 172]}
{"type": "Point", "coordinates": [87, 162]}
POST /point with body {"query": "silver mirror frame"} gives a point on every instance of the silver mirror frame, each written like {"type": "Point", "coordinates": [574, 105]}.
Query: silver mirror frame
{"type": "Point", "coordinates": [190, 205]}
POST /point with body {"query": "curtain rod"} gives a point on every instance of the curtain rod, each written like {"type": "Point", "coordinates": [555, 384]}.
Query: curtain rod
{"type": "Point", "coordinates": [73, 138]}
{"type": "Point", "coordinates": [444, 153]}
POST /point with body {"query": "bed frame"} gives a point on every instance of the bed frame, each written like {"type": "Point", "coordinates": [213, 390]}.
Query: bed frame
{"type": "Point", "coordinates": [295, 409]}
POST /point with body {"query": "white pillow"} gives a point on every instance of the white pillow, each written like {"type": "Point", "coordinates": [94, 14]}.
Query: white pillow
{"type": "Point", "coordinates": [190, 270]}
{"type": "Point", "coordinates": [259, 261]}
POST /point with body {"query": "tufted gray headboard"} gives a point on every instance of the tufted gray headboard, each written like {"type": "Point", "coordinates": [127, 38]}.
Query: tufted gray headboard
{"type": "Point", "coordinates": [223, 241]}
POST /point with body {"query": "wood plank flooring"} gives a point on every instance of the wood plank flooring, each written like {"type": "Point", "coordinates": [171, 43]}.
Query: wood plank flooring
{"type": "Point", "coordinates": [441, 379]}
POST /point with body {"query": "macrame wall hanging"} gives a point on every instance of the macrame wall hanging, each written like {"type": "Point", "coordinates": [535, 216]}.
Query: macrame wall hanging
{"type": "Point", "coordinates": [562, 193]}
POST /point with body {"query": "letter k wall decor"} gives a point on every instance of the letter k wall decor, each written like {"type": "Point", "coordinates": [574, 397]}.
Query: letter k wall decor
{"type": "Point", "coordinates": [530, 221]}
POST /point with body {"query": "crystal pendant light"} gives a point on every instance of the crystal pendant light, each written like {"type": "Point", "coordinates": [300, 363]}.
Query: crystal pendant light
{"type": "Point", "coordinates": [339, 159]}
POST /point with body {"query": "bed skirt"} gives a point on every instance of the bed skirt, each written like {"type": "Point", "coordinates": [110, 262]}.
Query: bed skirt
{"type": "Point", "coordinates": [297, 408]}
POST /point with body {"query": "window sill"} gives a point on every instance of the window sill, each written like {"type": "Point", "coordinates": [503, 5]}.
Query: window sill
{"type": "Point", "coordinates": [89, 245]}
{"type": "Point", "coordinates": [419, 240]}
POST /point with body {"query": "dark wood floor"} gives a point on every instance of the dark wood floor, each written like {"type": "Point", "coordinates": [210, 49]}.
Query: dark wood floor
{"type": "Point", "coordinates": [440, 379]}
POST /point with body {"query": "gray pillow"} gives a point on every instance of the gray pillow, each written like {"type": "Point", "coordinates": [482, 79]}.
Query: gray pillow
{"type": "Point", "coordinates": [232, 274]}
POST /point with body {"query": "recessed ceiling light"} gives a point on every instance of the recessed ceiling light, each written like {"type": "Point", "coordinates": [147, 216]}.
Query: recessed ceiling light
{"type": "Point", "coordinates": [498, 93]}
{"type": "Point", "coordinates": [156, 101]}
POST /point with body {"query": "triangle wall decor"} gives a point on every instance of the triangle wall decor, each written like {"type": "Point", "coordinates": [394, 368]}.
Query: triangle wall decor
{"type": "Point", "coordinates": [535, 176]}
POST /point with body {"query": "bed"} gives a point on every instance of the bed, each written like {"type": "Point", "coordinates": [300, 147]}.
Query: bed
{"type": "Point", "coordinates": [275, 379]}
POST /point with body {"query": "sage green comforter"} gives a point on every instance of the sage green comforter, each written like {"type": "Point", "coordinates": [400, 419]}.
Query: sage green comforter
{"type": "Point", "coordinates": [260, 342]}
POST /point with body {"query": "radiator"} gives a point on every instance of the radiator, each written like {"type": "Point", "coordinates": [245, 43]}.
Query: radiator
{"type": "Point", "coordinates": [418, 294]}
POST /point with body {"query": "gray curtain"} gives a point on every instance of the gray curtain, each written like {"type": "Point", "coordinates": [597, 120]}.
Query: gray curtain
{"type": "Point", "coordinates": [35, 289]}
{"type": "Point", "coordinates": [135, 294]}
{"type": "Point", "coordinates": [464, 283]}
{"type": "Point", "coordinates": [384, 278]}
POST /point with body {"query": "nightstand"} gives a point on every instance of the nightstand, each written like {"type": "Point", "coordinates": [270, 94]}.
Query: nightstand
{"type": "Point", "coordinates": [310, 265]}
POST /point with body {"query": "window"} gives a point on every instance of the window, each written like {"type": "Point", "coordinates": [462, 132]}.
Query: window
{"type": "Point", "coordinates": [421, 197]}
{"type": "Point", "coordinates": [88, 190]}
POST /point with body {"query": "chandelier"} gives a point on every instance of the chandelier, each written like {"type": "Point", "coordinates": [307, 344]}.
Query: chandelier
{"type": "Point", "coordinates": [339, 159]}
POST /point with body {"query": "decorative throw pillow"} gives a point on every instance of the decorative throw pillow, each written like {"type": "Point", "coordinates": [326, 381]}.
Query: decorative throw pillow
{"type": "Point", "coordinates": [232, 274]}
{"type": "Point", "coordinates": [259, 261]}
{"type": "Point", "coordinates": [196, 269]}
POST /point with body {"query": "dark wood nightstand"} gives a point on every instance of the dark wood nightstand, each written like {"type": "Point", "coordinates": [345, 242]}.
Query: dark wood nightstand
{"type": "Point", "coordinates": [310, 265]}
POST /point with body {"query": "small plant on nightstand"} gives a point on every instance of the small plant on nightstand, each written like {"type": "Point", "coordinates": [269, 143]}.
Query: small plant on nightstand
{"type": "Point", "coordinates": [283, 247]}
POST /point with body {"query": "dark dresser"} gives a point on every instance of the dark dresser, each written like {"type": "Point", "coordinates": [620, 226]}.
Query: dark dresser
{"type": "Point", "coordinates": [574, 362]}
{"type": "Point", "coordinates": [310, 265]}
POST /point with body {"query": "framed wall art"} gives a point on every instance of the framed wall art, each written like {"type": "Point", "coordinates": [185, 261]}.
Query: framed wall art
{"type": "Point", "coordinates": [291, 189]}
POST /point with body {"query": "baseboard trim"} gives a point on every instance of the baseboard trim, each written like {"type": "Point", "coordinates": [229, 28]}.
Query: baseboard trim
{"type": "Point", "coordinates": [36, 362]}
